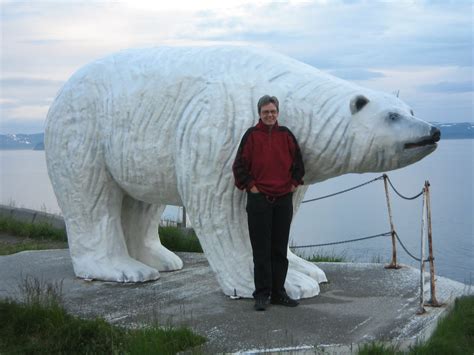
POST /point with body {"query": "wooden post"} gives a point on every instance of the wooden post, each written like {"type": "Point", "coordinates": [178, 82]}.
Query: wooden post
{"type": "Point", "coordinates": [421, 309]}
{"type": "Point", "coordinates": [183, 220]}
{"type": "Point", "coordinates": [433, 302]}
{"type": "Point", "coordinates": [393, 263]}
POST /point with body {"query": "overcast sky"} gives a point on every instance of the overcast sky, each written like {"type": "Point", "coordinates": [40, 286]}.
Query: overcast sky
{"type": "Point", "coordinates": [422, 48]}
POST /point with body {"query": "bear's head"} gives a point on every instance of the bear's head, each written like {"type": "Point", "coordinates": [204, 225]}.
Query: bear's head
{"type": "Point", "coordinates": [385, 134]}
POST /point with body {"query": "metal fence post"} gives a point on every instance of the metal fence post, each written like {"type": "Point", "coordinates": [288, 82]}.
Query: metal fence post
{"type": "Point", "coordinates": [421, 309]}
{"type": "Point", "coordinates": [183, 218]}
{"type": "Point", "coordinates": [393, 263]}
{"type": "Point", "coordinates": [433, 302]}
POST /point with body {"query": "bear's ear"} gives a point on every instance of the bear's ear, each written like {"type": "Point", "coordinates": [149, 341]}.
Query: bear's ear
{"type": "Point", "coordinates": [357, 103]}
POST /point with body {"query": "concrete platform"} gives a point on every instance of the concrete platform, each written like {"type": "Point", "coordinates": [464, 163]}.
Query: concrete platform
{"type": "Point", "coordinates": [362, 302]}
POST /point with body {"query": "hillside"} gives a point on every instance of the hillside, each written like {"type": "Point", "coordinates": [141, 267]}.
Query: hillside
{"type": "Point", "coordinates": [21, 141]}
{"type": "Point", "coordinates": [461, 130]}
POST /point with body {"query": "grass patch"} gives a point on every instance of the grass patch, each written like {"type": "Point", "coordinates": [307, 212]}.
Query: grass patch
{"type": "Point", "coordinates": [378, 349]}
{"type": "Point", "coordinates": [330, 258]}
{"type": "Point", "coordinates": [41, 325]}
{"type": "Point", "coordinates": [38, 231]}
{"type": "Point", "coordinates": [177, 239]}
{"type": "Point", "coordinates": [454, 335]}
{"type": "Point", "coordinates": [40, 236]}
{"type": "Point", "coordinates": [319, 256]}
{"type": "Point", "coordinates": [379, 259]}
{"type": "Point", "coordinates": [28, 244]}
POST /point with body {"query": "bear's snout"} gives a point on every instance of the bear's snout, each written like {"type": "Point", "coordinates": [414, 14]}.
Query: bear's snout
{"type": "Point", "coordinates": [435, 134]}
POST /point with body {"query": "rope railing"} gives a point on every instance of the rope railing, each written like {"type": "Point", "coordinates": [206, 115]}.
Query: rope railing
{"type": "Point", "coordinates": [398, 193]}
{"type": "Point", "coordinates": [384, 176]}
{"type": "Point", "coordinates": [362, 185]}
{"type": "Point", "coordinates": [395, 237]}
{"type": "Point", "coordinates": [408, 252]}
{"type": "Point", "coordinates": [386, 234]}
{"type": "Point", "coordinates": [341, 242]}
{"type": "Point", "coordinates": [344, 191]}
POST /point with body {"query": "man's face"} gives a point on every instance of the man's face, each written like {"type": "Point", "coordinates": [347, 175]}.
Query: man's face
{"type": "Point", "coordinates": [269, 114]}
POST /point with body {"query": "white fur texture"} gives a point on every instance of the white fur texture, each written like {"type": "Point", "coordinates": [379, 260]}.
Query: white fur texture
{"type": "Point", "coordinates": [135, 131]}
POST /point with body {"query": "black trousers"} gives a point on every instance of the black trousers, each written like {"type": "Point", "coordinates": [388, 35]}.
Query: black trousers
{"type": "Point", "coordinates": [269, 228]}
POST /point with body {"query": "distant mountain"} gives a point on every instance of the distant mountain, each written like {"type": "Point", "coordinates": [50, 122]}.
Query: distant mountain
{"type": "Point", "coordinates": [462, 130]}
{"type": "Point", "coordinates": [20, 141]}
{"type": "Point", "coordinates": [39, 146]}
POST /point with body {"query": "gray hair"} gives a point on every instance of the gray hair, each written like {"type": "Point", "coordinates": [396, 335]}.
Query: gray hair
{"type": "Point", "coordinates": [265, 100]}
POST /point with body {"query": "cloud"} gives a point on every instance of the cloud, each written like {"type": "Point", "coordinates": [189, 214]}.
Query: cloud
{"type": "Point", "coordinates": [450, 87]}
{"type": "Point", "coordinates": [377, 43]}
{"type": "Point", "coordinates": [9, 103]}
{"type": "Point", "coordinates": [27, 97]}
{"type": "Point", "coordinates": [356, 74]}
{"type": "Point", "coordinates": [21, 126]}
{"type": "Point", "coordinates": [337, 34]}
{"type": "Point", "coordinates": [43, 42]}
{"type": "Point", "coordinates": [25, 102]}
{"type": "Point", "coordinates": [25, 81]}
{"type": "Point", "coordinates": [26, 112]}
{"type": "Point", "coordinates": [253, 36]}
{"type": "Point", "coordinates": [351, 34]}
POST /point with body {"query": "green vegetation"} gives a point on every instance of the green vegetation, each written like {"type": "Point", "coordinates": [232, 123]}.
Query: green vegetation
{"type": "Point", "coordinates": [319, 256]}
{"type": "Point", "coordinates": [454, 335]}
{"type": "Point", "coordinates": [43, 236]}
{"type": "Point", "coordinates": [28, 244]}
{"type": "Point", "coordinates": [177, 239]}
{"type": "Point", "coordinates": [39, 231]}
{"type": "Point", "coordinates": [378, 259]}
{"type": "Point", "coordinates": [378, 349]}
{"type": "Point", "coordinates": [330, 258]}
{"type": "Point", "coordinates": [32, 236]}
{"type": "Point", "coordinates": [41, 325]}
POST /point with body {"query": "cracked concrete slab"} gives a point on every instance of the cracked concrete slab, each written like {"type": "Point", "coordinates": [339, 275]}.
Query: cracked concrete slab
{"type": "Point", "coordinates": [361, 302]}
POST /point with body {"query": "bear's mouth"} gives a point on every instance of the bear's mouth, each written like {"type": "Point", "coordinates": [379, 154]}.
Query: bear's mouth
{"type": "Point", "coordinates": [422, 143]}
{"type": "Point", "coordinates": [425, 141]}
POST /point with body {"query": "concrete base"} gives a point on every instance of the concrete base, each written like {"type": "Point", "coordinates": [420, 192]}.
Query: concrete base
{"type": "Point", "coordinates": [361, 303]}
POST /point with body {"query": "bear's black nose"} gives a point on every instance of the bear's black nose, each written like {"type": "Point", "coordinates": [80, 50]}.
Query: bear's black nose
{"type": "Point", "coordinates": [435, 134]}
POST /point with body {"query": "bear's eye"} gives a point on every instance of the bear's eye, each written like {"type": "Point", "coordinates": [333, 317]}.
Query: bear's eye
{"type": "Point", "coordinates": [392, 116]}
{"type": "Point", "coordinates": [412, 113]}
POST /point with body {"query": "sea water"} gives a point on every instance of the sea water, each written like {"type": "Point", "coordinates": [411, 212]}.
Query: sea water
{"type": "Point", "coordinates": [363, 212]}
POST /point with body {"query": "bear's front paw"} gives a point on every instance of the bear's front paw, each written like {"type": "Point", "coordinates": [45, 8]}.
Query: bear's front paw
{"type": "Point", "coordinates": [117, 269]}
{"type": "Point", "coordinates": [310, 269]}
{"type": "Point", "coordinates": [158, 257]}
{"type": "Point", "coordinates": [303, 278]}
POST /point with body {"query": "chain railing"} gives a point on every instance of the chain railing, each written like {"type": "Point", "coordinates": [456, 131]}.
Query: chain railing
{"type": "Point", "coordinates": [426, 226]}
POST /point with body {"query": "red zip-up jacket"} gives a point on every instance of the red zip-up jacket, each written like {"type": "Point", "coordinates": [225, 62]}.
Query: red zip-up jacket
{"type": "Point", "coordinates": [270, 159]}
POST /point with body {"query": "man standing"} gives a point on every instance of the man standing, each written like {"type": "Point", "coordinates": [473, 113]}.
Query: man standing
{"type": "Point", "coordinates": [269, 167]}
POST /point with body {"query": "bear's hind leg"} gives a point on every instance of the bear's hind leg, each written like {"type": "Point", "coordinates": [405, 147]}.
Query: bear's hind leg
{"type": "Point", "coordinates": [140, 222]}
{"type": "Point", "coordinates": [218, 215]}
{"type": "Point", "coordinates": [297, 266]}
{"type": "Point", "coordinates": [92, 206]}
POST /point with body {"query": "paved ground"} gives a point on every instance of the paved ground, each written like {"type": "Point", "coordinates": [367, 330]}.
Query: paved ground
{"type": "Point", "coordinates": [362, 302]}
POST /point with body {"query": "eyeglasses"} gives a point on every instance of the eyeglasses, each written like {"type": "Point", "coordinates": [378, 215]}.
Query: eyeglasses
{"type": "Point", "coordinates": [269, 112]}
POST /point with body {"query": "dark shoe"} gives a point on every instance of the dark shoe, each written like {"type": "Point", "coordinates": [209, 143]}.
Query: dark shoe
{"type": "Point", "coordinates": [284, 300]}
{"type": "Point", "coordinates": [261, 304]}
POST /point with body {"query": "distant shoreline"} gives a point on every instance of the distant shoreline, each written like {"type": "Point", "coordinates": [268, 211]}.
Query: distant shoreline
{"type": "Point", "coordinates": [20, 141]}
{"type": "Point", "coordinates": [42, 149]}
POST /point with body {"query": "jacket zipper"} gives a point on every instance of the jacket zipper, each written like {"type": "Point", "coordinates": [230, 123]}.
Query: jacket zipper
{"type": "Point", "coordinates": [270, 136]}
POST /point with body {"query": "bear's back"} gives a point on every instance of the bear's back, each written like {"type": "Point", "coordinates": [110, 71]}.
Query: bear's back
{"type": "Point", "coordinates": [147, 110]}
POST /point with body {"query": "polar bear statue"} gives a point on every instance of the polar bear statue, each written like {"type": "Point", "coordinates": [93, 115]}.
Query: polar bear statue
{"type": "Point", "coordinates": [141, 129]}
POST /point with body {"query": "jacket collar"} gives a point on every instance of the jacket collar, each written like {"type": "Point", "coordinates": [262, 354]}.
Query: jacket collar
{"type": "Point", "coordinates": [264, 128]}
